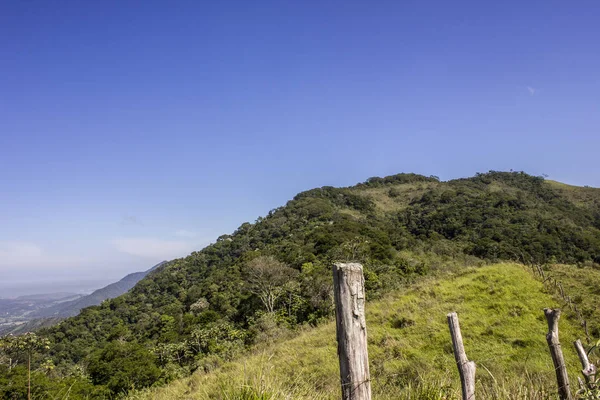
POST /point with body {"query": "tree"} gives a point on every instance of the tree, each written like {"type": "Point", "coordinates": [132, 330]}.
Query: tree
{"type": "Point", "coordinates": [25, 345]}
{"type": "Point", "coordinates": [267, 278]}
{"type": "Point", "coordinates": [222, 338]}
{"type": "Point", "coordinates": [123, 366]}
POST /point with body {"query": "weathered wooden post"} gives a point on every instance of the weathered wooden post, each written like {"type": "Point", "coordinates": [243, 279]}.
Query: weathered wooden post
{"type": "Point", "coordinates": [588, 369]}
{"type": "Point", "coordinates": [466, 368]}
{"type": "Point", "coordinates": [570, 302]}
{"type": "Point", "coordinates": [541, 271]}
{"type": "Point", "coordinates": [349, 293]}
{"type": "Point", "coordinates": [564, 390]}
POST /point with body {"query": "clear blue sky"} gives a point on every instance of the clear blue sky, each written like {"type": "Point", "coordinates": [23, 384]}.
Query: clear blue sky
{"type": "Point", "coordinates": [136, 131]}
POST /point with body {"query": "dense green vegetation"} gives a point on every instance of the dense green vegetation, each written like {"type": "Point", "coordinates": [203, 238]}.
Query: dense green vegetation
{"type": "Point", "coordinates": [500, 311]}
{"type": "Point", "coordinates": [272, 277]}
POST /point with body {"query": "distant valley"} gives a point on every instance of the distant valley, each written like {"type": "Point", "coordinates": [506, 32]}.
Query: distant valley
{"type": "Point", "coordinates": [30, 312]}
{"type": "Point", "coordinates": [18, 311]}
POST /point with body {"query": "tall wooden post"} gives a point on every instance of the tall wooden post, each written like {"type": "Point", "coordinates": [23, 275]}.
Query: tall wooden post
{"type": "Point", "coordinates": [466, 368]}
{"type": "Point", "coordinates": [562, 379]}
{"type": "Point", "coordinates": [349, 293]}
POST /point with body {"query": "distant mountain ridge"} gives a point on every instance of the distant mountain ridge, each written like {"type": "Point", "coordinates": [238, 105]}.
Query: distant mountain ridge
{"type": "Point", "coordinates": [72, 308]}
{"type": "Point", "coordinates": [50, 296]}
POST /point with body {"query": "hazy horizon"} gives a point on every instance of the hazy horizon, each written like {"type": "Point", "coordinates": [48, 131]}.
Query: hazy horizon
{"type": "Point", "coordinates": [57, 282]}
{"type": "Point", "coordinates": [16, 289]}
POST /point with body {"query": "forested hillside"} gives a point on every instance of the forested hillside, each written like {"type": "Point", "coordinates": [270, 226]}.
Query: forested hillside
{"type": "Point", "coordinates": [71, 308]}
{"type": "Point", "coordinates": [272, 276]}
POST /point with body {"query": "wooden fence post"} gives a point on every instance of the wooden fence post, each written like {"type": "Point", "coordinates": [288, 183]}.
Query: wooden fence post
{"type": "Point", "coordinates": [466, 368]}
{"type": "Point", "coordinates": [569, 302]}
{"type": "Point", "coordinates": [552, 316]}
{"type": "Point", "coordinates": [349, 293]}
{"type": "Point", "coordinates": [588, 369]}
{"type": "Point", "coordinates": [562, 290]}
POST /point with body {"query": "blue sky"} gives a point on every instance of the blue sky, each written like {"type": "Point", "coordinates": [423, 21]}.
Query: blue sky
{"type": "Point", "coordinates": [131, 132]}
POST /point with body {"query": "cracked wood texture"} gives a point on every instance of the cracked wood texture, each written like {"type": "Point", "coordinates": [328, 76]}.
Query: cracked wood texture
{"type": "Point", "coordinates": [562, 379]}
{"type": "Point", "coordinates": [466, 368]}
{"type": "Point", "coordinates": [349, 293]}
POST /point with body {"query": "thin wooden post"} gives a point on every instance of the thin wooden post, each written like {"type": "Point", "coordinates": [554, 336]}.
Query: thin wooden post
{"type": "Point", "coordinates": [466, 368]}
{"type": "Point", "coordinates": [588, 369]}
{"type": "Point", "coordinates": [569, 302]}
{"type": "Point", "coordinates": [349, 293]}
{"type": "Point", "coordinates": [562, 290]}
{"type": "Point", "coordinates": [562, 379]}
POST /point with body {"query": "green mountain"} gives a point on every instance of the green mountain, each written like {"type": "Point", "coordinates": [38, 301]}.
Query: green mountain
{"type": "Point", "coordinates": [271, 277]}
{"type": "Point", "coordinates": [73, 307]}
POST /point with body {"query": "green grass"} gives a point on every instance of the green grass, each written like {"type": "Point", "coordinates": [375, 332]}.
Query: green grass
{"type": "Point", "coordinates": [582, 196]}
{"type": "Point", "coordinates": [500, 308]}
{"type": "Point", "coordinates": [583, 286]}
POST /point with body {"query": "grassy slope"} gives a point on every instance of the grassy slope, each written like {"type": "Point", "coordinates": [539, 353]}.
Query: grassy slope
{"type": "Point", "coordinates": [399, 196]}
{"type": "Point", "coordinates": [500, 309]}
{"type": "Point", "coordinates": [583, 286]}
{"type": "Point", "coordinates": [582, 196]}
